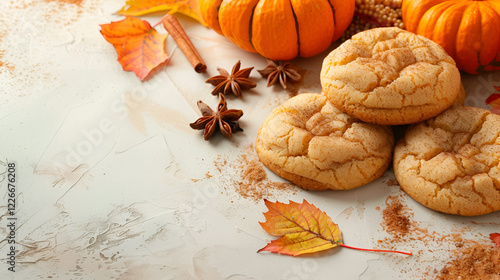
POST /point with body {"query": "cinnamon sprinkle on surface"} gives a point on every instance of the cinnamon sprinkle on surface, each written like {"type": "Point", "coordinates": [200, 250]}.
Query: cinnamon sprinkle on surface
{"type": "Point", "coordinates": [396, 218]}
{"type": "Point", "coordinates": [247, 177]}
{"type": "Point", "coordinates": [73, 2]}
{"type": "Point", "coordinates": [436, 255]}
{"type": "Point", "coordinates": [392, 182]}
{"type": "Point", "coordinates": [254, 172]}
{"type": "Point", "coordinates": [473, 261]}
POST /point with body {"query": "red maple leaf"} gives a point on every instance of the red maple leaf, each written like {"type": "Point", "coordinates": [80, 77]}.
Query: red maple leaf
{"type": "Point", "coordinates": [494, 101]}
{"type": "Point", "coordinates": [496, 238]}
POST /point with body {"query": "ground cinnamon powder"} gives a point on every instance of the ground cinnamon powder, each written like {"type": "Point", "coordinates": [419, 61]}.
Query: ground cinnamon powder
{"type": "Point", "coordinates": [4, 64]}
{"type": "Point", "coordinates": [473, 261]}
{"type": "Point", "coordinates": [469, 259]}
{"type": "Point", "coordinates": [396, 217]}
{"type": "Point", "coordinates": [73, 2]}
{"type": "Point", "coordinates": [253, 171]}
{"type": "Point", "coordinates": [249, 178]}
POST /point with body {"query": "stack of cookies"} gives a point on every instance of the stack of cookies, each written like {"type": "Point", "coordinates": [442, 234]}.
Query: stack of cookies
{"type": "Point", "coordinates": [449, 157]}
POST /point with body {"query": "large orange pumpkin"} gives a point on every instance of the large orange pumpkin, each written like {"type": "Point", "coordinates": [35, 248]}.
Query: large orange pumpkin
{"type": "Point", "coordinates": [279, 29]}
{"type": "Point", "coordinates": [469, 30]}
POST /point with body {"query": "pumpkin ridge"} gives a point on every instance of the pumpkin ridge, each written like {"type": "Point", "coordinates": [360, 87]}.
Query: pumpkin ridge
{"type": "Point", "coordinates": [469, 46]}
{"type": "Point", "coordinates": [479, 60]}
{"type": "Point", "coordinates": [457, 32]}
{"type": "Point", "coordinates": [446, 13]}
{"type": "Point", "coordinates": [209, 10]}
{"type": "Point", "coordinates": [250, 26]}
{"type": "Point", "coordinates": [333, 12]}
{"type": "Point", "coordinates": [488, 14]}
{"type": "Point", "coordinates": [296, 27]}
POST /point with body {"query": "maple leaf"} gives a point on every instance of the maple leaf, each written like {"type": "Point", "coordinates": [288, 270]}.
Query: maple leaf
{"type": "Point", "coordinates": [494, 101]}
{"type": "Point", "coordinates": [302, 229]}
{"type": "Point", "coordinates": [139, 47]}
{"type": "Point", "coordinates": [189, 8]}
{"type": "Point", "coordinates": [496, 238]}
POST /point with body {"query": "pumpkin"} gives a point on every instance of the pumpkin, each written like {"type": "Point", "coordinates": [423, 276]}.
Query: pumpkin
{"type": "Point", "coordinates": [279, 29]}
{"type": "Point", "coordinates": [469, 30]}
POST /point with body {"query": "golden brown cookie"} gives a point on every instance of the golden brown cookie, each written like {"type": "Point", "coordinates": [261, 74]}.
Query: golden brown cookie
{"type": "Point", "coordinates": [451, 163]}
{"type": "Point", "coordinates": [309, 142]}
{"type": "Point", "coordinates": [390, 76]}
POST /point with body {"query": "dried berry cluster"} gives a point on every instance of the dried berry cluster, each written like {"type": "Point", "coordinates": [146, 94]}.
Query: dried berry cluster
{"type": "Point", "coordinates": [370, 14]}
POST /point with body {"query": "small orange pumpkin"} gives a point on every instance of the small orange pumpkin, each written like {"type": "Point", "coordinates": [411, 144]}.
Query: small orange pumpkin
{"type": "Point", "coordinates": [469, 30]}
{"type": "Point", "coordinates": [279, 29]}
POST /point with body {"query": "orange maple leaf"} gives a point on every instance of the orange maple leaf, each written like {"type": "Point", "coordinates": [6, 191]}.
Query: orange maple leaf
{"type": "Point", "coordinates": [189, 8]}
{"type": "Point", "coordinates": [496, 238]}
{"type": "Point", "coordinates": [140, 48]}
{"type": "Point", "coordinates": [303, 229]}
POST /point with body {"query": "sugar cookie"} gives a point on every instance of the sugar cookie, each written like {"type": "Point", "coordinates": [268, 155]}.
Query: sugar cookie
{"type": "Point", "coordinates": [451, 163]}
{"type": "Point", "coordinates": [309, 142]}
{"type": "Point", "coordinates": [390, 76]}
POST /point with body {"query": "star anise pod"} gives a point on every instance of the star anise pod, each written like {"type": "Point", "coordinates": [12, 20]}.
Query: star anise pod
{"type": "Point", "coordinates": [277, 70]}
{"type": "Point", "coordinates": [226, 120]}
{"type": "Point", "coordinates": [232, 83]}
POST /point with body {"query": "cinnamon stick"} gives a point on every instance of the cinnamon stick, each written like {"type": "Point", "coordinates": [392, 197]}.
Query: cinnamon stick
{"type": "Point", "coordinates": [175, 29]}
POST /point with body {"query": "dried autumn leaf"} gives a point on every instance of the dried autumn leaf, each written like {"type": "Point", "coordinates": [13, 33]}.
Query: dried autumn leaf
{"type": "Point", "coordinates": [189, 8]}
{"type": "Point", "coordinates": [302, 229]}
{"type": "Point", "coordinates": [496, 238]}
{"type": "Point", "coordinates": [494, 101]}
{"type": "Point", "coordinates": [140, 48]}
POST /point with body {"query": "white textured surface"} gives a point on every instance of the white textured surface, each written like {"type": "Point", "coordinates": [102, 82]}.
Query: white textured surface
{"type": "Point", "coordinates": [113, 184]}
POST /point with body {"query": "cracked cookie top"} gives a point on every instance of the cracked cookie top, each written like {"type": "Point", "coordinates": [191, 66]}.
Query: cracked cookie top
{"type": "Point", "coordinates": [314, 145]}
{"type": "Point", "coordinates": [451, 163]}
{"type": "Point", "coordinates": [390, 76]}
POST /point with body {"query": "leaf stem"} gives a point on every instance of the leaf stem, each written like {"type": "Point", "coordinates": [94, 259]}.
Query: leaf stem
{"type": "Point", "coordinates": [376, 250]}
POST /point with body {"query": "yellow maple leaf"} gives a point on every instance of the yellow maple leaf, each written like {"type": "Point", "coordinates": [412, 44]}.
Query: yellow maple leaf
{"type": "Point", "coordinates": [189, 8]}
{"type": "Point", "coordinates": [303, 229]}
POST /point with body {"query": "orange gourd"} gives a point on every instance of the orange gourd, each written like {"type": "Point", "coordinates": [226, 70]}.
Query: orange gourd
{"type": "Point", "coordinates": [279, 29]}
{"type": "Point", "coordinates": [469, 30]}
